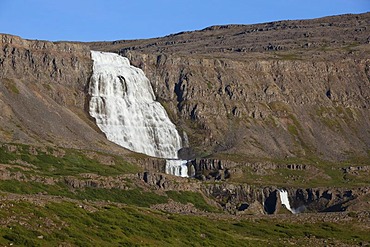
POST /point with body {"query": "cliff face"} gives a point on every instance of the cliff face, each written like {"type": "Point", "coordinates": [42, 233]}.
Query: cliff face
{"type": "Point", "coordinates": [266, 108]}
{"type": "Point", "coordinates": [273, 90]}
{"type": "Point", "coordinates": [43, 96]}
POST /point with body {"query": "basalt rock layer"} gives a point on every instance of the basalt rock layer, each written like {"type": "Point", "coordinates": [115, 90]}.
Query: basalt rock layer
{"type": "Point", "coordinates": [296, 89]}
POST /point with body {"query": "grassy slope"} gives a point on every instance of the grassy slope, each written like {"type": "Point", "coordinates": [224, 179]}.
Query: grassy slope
{"type": "Point", "coordinates": [319, 173]}
{"type": "Point", "coordinates": [114, 217]}
{"type": "Point", "coordinates": [112, 225]}
{"type": "Point", "coordinates": [70, 162]}
{"type": "Point", "coordinates": [24, 167]}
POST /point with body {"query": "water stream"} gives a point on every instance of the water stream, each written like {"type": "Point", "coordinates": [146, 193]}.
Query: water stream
{"type": "Point", "coordinates": [285, 200]}
{"type": "Point", "coordinates": [124, 106]}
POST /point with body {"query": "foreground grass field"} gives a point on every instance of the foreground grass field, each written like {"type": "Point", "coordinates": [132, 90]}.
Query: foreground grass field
{"type": "Point", "coordinates": [73, 223]}
{"type": "Point", "coordinates": [39, 207]}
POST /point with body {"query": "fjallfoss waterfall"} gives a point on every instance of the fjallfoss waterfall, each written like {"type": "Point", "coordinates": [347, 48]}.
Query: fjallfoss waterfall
{"type": "Point", "coordinates": [123, 104]}
{"type": "Point", "coordinates": [285, 200]}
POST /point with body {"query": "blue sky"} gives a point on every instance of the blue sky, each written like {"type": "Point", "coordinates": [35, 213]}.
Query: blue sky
{"type": "Point", "coordinates": [93, 20]}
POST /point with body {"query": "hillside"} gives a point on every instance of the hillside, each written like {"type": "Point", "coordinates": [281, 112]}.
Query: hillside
{"type": "Point", "coordinates": [263, 109]}
{"type": "Point", "coordinates": [274, 90]}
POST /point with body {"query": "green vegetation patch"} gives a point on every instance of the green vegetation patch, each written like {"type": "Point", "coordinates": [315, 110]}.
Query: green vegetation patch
{"type": "Point", "coordinates": [71, 162]}
{"type": "Point", "coordinates": [195, 198]}
{"type": "Point", "coordinates": [10, 85]}
{"type": "Point", "coordinates": [113, 226]}
{"type": "Point", "coordinates": [293, 130]}
{"type": "Point", "coordinates": [337, 118]}
{"type": "Point", "coordinates": [66, 223]}
{"type": "Point", "coordinates": [135, 197]}
{"type": "Point", "coordinates": [18, 187]}
{"type": "Point", "coordinates": [345, 233]}
{"type": "Point", "coordinates": [131, 197]}
{"type": "Point", "coordinates": [317, 173]}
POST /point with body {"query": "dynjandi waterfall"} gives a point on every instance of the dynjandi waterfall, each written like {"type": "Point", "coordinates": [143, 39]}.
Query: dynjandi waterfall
{"type": "Point", "coordinates": [123, 104]}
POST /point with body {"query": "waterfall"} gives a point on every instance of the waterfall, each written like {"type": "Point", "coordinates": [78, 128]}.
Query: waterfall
{"type": "Point", "coordinates": [123, 104]}
{"type": "Point", "coordinates": [285, 200]}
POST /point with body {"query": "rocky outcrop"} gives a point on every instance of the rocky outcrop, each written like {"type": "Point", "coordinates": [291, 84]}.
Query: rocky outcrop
{"type": "Point", "coordinates": [94, 181]}
{"type": "Point", "coordinates": [176, 207]}
{"type": "Point", "coordinates": [149, 164]}
{"type": "Point", "coordinates": [208, 169]}
{"type": "Point", "coordinates": [325, 199]}
{"type": "Point", "coordinates": [237, 198]}
{"type": "Point", "coordinates": [160, 181]}
{"type": "Point", "coordinates": [223, 169]}
{"type": "Point", "coordinates": [59, 70]}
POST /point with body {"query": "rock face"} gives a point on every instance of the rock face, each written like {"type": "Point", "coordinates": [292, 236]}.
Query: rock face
{"type": "Point", "coordinates": [268, 108]}
{"type": "Point", "coordinates": [242, 95]}
{"type": "Point", "coordinates": [238, 197]}
{"type": "Point", "coordinates": [206, 169]}
{"type": "Point", "coordinates": [261, 103]}
{"type": "Point", "coordinates": [43, 94]}
{"type": "Point", "coordinates": [316, 37]}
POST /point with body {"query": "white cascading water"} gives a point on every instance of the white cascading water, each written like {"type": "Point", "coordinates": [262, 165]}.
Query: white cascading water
{"type": "Point", "coordinates": [285, 200]}
{"type": "Point", "coordinates": [123, 104]}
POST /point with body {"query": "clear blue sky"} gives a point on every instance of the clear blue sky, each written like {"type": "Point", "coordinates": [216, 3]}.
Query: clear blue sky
{"type": "Point", "coordinates": [89, 20]}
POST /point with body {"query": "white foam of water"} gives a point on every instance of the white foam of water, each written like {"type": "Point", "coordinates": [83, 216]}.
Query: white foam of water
{"type": "Point", "coordinates": [125, 109]}
{"type": "Point", "coordinates": [285, 200]}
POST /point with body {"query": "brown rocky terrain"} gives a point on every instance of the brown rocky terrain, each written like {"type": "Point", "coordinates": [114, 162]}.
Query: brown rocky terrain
{"type": "Point", "coordinates": [274, 90]}
{"type": "Point", "coordinates": [255, 102]}
{"type": "Point", "coordinates": [43, 96]}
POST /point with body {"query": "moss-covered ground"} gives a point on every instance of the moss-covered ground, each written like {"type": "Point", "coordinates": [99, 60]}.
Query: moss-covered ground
{"type": "Point", "coordinates": [69, 223]}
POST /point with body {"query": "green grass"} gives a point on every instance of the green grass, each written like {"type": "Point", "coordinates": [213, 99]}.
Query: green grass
{"type": "Point", "coordinates": [18, 187]}
{"type": "Point", "coordinates": [318, 173]}
{"type": "Point", "coordinates": [73, 162]}
{"type": "Point", "coordinates": [293, 130]}
{"type": "Point", "coordinates": [131, 197]}
{"type": "Point", "coordinates": [10, 85]}
{"type": "Point", "coordinates": [336, 117]}
{"type": "Point", "coordinates": [342, 232]}
{"type": "Point", "coordinates": [109, 225]}
{"type": "Point", "coordinates": [47, 86]}
{"type": "Point", "coordinates": [351, 47]}
{"type": "Point", "coordinates": [195, 198]}
{"type": "Point", "coordinates": [135, 197]}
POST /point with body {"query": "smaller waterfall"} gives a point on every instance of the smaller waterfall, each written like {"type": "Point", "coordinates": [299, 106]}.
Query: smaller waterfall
{"type": "Point", "coordinates": [285, 200]}
{"type": "Point", "coordinates": [177, 168]}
